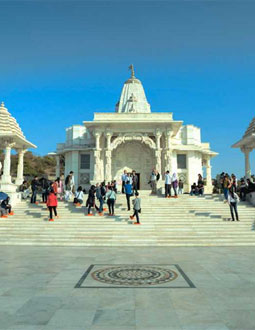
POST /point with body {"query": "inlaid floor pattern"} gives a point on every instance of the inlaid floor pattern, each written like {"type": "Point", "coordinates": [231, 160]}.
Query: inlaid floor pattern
{"type": "Point", "coordinates": [185, 221]}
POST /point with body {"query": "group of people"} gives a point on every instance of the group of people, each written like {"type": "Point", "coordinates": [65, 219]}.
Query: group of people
{"type": "Point", "coordinates": [51, 191]}
{"type": "Point", "coordinates": [107, 193]}
{"type": "Point", "coordinates": [172, 182]}
{"type": "Point", "coordinates": [197, 189]}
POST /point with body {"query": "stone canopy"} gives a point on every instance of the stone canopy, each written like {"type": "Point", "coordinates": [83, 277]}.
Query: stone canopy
{"type": "Point", "coordinates": [246, 145]}
{"type": "Point", "coordinates": [11, 138]}
{"type": "Point", "coordinates": [10, 130]}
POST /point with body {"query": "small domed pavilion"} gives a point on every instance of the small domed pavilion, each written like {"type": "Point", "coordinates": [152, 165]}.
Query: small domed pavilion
{"type": "Point", "coordinates": [11, 137]}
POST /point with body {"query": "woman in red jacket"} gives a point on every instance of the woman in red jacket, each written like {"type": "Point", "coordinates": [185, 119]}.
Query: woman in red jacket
{"type": "Point", "coordinates": [52, 203]}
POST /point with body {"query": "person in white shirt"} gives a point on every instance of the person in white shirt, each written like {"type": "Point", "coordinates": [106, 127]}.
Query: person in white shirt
{"type": "Point", "coordinates": [72, 181]}
{"type": "Point", "coordinates": [78, 200]}
{"type": "Point", "coordinates": [129, 178]}
{"type": "Point", "coordinates": [123, 179]}
{"type": "Point", "coordinates": [175, 183]}
{"type": "Point", "coordinates": [233, 199]}
{"type": "Point", "coordinates": [168, 182]}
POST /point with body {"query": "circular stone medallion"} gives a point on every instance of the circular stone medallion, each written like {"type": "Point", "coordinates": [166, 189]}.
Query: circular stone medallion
{"type": "Point", "coordinates": [134, 275]}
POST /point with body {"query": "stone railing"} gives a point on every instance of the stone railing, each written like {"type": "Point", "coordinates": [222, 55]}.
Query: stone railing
{"type": "Point", "coordinates": [250, 197]}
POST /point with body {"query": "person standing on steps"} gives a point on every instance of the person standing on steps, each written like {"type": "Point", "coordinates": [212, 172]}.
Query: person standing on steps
{"type": "Point", "coordinates": [100, 198]}
{"type": "Point", "coordinates": [52, 203]}
{"type": "Point", "coordinates": [34, 187]}
{"type": "Point", "coordinates": [137, 208]}
{"type": "Point", "coordinates": [167, 185]}
{"type": "Point", "coordinates": [60, 188]}
{"type": "Point", "coordinates": [233, 199]}
{"type": "Point", "coordinates": [180, 187]}
{"type": "Point", "coordinates": [153, 181]}
{"type": "Point", "coordinates": [72, 184]}
{"type": "Point", "coordinates": [129, 192]}
{"type": "Point", "coordinates": [111, 198]}
{"type": "Point", "coordinates": [226, 183]}
{"type": "Point", "coordinates": [135, 181]}
{"type": "Point", "coordinates": [123, 180]}
{"type": "Point", "coordinates": [91, 200]}
{"type": "Point", "coordinates": [175, 184]}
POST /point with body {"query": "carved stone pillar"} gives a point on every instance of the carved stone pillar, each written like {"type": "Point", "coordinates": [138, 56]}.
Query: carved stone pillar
{"type": "Point", "coordinates": [6, 177]}
{"type": "Point", "coordinates": [97, 158]}
{"type": "Point", "coordinates": [108, 157]}
{"type": "Point", "coordinates": [208, 172]}
{"type": "Point", "coordinates": [20, 168]}
{"type": "Point", "coordinates": [97, 169]}
{"type": "Point", "coordinates": [108, 165]}
{"type": "Point", "coordinates": [97, 137]}
{"type": "Point", "coordinates": [209, 187]}
{"type": "Point", "coordinates": [158, 135]}
{"type": "Point", "coordinates": [246, 152]}
{"type": "Point", "coordinates": [57, 166]}
{"type": "Point", "coordinates": [168, 152]}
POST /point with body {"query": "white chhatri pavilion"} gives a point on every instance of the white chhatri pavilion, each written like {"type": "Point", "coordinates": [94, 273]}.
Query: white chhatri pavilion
{"type": "Point", "coordinates": [11, 137]}
{"type": "Point", "coordinates": [246, 145]}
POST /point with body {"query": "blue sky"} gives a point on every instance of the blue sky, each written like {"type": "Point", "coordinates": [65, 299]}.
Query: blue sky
{"type": "Point", "coordinates": [62, 61]}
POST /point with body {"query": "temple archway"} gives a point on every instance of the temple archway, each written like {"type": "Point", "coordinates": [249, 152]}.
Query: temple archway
{"type": "Point", "coordinates": [133, 155]}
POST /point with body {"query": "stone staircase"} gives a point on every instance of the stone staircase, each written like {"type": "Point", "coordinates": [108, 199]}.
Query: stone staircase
{"type": "Point", "coordinates": [185, 221]}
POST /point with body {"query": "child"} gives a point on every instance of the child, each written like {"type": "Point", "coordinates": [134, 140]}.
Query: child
{"type": "Point", "coordinates": [137, 208]}
{"type": "Point", "coordinates": [180, 189]}
{"type": "Point", "coordinates": [52, 203]}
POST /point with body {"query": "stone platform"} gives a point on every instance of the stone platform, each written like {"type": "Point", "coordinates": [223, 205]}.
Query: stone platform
{"type": "Point", "coordinates": [38, 289]}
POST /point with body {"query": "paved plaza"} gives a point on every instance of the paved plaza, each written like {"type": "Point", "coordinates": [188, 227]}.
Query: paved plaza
{"type": "Point", "coordinates": [67, 288]}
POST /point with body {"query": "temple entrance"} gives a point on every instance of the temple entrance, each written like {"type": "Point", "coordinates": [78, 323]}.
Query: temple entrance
{"type": "Point", "coordinates": [136, 156]}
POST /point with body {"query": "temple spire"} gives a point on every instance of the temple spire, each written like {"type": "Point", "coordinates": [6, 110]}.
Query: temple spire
{"type": "Point", "coordinates": [131, 67]}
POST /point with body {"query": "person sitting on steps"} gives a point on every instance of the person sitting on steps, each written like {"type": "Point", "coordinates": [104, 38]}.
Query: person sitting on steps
{"type": "Point", "coordinates": [6, 207]}
{"type": "Point", "coordinates": [78, 200]}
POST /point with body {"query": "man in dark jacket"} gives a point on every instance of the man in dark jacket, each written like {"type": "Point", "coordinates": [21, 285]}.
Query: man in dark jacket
{"type": "Point", "coordinates": [134, 181]}
{"type": "Point", "coordinates": [34, 187]}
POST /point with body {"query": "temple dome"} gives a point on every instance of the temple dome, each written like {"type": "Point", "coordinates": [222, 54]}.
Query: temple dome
{"type": "Point", "coordinates": [132, 98]}
{"type": "Point", "coordinates": [8, 124]}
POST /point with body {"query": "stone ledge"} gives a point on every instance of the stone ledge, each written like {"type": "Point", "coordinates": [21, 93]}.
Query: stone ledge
{"type": "Point", "coordinates": [250, 197]}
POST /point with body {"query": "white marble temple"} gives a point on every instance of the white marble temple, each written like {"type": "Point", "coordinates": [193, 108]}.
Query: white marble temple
{"type": "Point", "coordinates": [135, 138]}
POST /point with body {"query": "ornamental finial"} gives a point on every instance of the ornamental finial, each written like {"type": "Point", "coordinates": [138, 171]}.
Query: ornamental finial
{"type": "Point", "coordinates": [131, 67]}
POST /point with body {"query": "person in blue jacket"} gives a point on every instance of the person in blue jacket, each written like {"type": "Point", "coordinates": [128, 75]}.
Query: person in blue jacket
{"type": "Point", "coordinates": [129, 192]}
